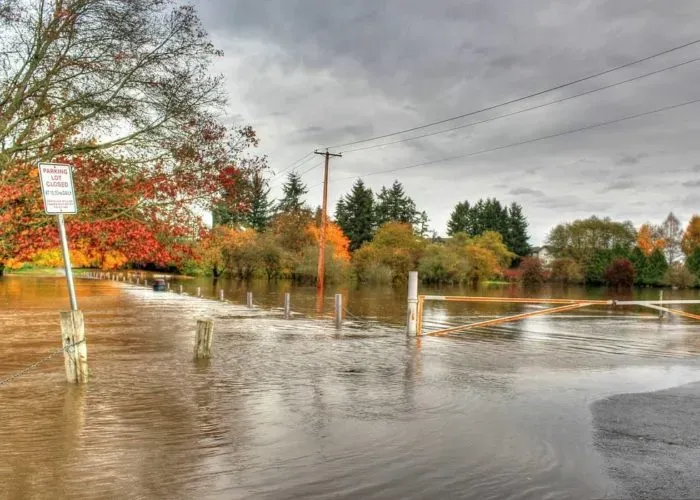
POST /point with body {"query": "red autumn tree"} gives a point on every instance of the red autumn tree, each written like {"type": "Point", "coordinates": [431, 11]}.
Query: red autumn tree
{"type": "Point", "coordinates": [142, 216]}
{"type": "Point", "coordinates": [620, 273]}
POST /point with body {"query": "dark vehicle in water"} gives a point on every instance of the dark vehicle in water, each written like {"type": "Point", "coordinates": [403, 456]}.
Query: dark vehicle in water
{"type": "Point", "coordinates": [159, 285]}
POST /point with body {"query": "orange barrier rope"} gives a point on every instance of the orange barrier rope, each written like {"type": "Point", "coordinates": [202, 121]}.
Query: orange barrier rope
{"type": "Point", "coordinates": [673, 311]}
{"type": "Point", "coordinates": [419, 319]}
{"type": "Point", "coordinates": [507, 319]}
{"type": "Point", "coordinates": [512, 300]}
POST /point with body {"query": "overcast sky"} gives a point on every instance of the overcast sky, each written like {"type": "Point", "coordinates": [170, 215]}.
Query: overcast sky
{"type": "Point", "coordinates": [313, 73]}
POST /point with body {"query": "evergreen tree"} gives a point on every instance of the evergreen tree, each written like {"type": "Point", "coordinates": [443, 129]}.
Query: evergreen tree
{"type": "Point", "coordinates": [494, 217]}
{"type": "Point", "coordinates": [517, 238]}
{"type": "Point", "coordinates": [693, 263]}
{"type": "Point", "coordinates": [233, 205]}
{"type": "Point", "coordinates": [461, 220]}
{"type": "Point", "coordinates": [641, 266]}
{"type": "Point", "coordinates": [293, 191]}
{"type": "Point", "coordinates": [491, 215]}
{"type": "Point", "coordinates": [657, 267]}
{"type": "Point", "coordinates": [422, 224]}
{"type": "Point", "coordinates": [393, 205]}
{"type": "Point", "coordinates": [355, 215]}
{"type": "Point", "coordinates": [258, 216]}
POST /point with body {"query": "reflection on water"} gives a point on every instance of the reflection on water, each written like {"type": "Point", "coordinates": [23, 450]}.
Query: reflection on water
{"type": "Point", "coordinates": [298, 409]}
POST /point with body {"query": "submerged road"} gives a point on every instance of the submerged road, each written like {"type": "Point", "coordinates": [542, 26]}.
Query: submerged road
{"type": "Point", "coordinates": [651, 441]}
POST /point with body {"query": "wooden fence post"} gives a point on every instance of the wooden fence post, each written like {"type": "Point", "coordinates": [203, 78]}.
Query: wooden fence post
{"type": "Point", "coordinates": [74, 346]}
{"type": "Point", "coordinates": [199, 291]}
{"type": "Point", "coordinates": [221, 295]}
{"type": "Point", "coordinates": [249, 299]}
{"type": "Point", "coordinates": [202, 341]}
{"type": "Point", "coordinates": [180, 289]}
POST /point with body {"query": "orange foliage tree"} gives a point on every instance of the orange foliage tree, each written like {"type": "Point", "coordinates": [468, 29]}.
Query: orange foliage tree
{"type": "Point", "coordinates": [648, 240]}
{"type": "Point", "coordinates": [691, 236]}
{"type": "Point", "coordinates": [335, 239]}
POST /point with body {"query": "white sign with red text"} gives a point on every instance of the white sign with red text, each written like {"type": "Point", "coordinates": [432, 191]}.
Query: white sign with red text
{"type": "Point", "coordinates": [57, 188]}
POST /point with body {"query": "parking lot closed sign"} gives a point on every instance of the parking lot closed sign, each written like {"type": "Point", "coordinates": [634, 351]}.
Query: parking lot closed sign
{"type": "Point", "coordinates": [57, 188]}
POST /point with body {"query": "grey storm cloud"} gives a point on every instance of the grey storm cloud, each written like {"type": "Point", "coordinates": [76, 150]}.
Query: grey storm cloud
{"type": "Point", "coordinates": [315, 73]}
{"type": "Point", "coordinates": [630, 159]}
{"type": "Point", "coordinates": [620, 185]}
{"type": "Point", "coordinates": [692, 184]}
{"type": "Point", "coordinates": [525, 191]}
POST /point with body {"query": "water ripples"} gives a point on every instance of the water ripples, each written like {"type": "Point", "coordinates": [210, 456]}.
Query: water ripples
{"type": "Point", "coordinates": [300, 409]}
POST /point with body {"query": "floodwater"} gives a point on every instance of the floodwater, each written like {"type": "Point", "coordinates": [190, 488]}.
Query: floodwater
{"type": "Point", "coordinates": [299, 409]}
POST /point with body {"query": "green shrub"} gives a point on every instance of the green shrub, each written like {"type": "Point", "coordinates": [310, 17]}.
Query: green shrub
{"type": "Point", "coordinates": [680, 276]}
{"type": "Point", "coordinates": [566, 271]}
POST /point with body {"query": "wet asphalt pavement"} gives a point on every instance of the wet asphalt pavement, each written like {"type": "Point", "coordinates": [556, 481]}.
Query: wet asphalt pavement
{"type": "Point", "coordinates": [651, 441]}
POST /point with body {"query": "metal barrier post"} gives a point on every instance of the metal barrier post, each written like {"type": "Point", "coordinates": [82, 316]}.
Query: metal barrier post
{"type": "Point", "coordinates": [411, 315]}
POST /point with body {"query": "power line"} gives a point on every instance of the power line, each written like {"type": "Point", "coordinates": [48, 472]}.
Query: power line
{"type": "Point", "coordinates": [505, 115]}
{"type": "Point", "coordinates": [306, 158]}
{"type": "Point", "coordinates": [521, 143]}
{"type": "Point", "coordinates": [513, 101]}
{"type": "Point", "coordinates": [310, 169]}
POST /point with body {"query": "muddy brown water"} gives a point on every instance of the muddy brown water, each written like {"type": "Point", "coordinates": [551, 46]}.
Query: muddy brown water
{"type": "Point", "coordinates": [298, 409]}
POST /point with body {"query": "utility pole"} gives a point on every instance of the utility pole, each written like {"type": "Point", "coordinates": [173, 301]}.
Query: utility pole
{"type": "Point", "coordinates": [324, 223]}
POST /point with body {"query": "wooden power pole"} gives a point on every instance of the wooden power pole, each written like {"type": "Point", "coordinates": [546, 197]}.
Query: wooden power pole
{"type": "Point", "coordinates": [324, 223]}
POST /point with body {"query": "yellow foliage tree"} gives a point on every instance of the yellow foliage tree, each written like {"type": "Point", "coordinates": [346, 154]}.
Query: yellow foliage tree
{"type": "Point", "coordinates": [211, 249]}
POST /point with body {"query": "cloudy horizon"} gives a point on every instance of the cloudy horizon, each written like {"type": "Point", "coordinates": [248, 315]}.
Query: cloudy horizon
{"type": "Point", "coordinates": [312, 73]}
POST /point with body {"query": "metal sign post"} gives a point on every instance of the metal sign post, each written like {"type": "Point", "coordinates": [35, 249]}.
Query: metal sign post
{"type": "Point", "coordinates": [59, 198]}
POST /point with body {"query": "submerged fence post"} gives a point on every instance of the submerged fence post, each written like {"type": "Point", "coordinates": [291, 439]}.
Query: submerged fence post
{"type": "Point", "coordinates": [338, 310]}
{"type": "Point", "coordinates": [199, 291]}
{"type": "Point", "coordinates": [661, 299]}
{"type": "Point", "coordinates": [180, 289]}
{"type": "Point", "coordinates": [412, 313]}
{"type": "Point", "coordinates": [287, 305]}
{"type": "Point", "coordinates": [202, 340]}
{"type": "Point", "coordinates": [74, 346]}
{"type": "Point", "coordinates": [221, 295]}
{"type": "Point", "coordinates": [249, 299]}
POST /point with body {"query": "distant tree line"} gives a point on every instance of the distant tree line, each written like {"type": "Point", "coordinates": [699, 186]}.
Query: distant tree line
{"type": "Point", "coordinates": [600, 250]}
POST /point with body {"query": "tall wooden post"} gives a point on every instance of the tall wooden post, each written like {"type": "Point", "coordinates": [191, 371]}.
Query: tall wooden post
{"type": "Point", "coordinates": [661, 299]}
{"type": "Point", "coordinates": [338, 310]}
{"type": "Point", "coordinates": [203, 337]}
{"type": "Point", "coordinates": [249, 299]}
{"type": "Point", "coordinates": [321, 272]}
{"type": "Point", "coordinates": [74, 346]}
{"type": "Point", "coordinates": [221, 295]}
{"type": "Point", "coordinates": [180, 289]}
{"type": "Point", "coordinates": [412, 313]}
{"type": "Point", "coordinates": [199, 291]}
